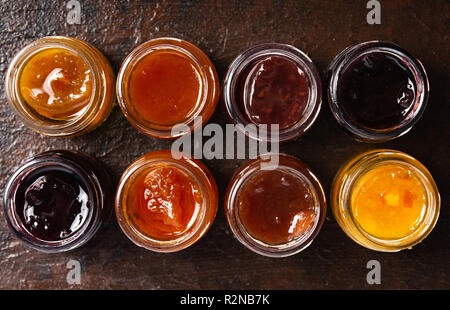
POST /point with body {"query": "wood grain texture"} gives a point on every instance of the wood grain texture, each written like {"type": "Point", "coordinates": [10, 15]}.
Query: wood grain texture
{"type": "Point", "coordinates": [223, 29]}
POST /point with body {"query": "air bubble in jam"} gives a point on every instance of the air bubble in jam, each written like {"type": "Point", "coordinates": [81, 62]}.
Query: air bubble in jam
{"type": "Point", "coordinates": [163, 202]}
{"type": "Point", "coordinates": [56, 83]}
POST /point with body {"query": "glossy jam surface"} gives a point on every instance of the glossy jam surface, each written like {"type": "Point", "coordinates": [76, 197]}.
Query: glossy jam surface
{"type": "Point", "coordinates": [377, 90]}
{"type": "Point", "coordinates": [276, 206]}
{"type": "Point", "coordinates": [389, 201]}
{"type": "Point", "coordinates": [56, 83]}
{"type": "Point", "coordinates": [165, 87]}
{"type": "Point", "coordinates": [274, 90]}
{"type": "Point", "coordinates": [52, 205]}
{"type": "Point", "coordinates": [163, 202]}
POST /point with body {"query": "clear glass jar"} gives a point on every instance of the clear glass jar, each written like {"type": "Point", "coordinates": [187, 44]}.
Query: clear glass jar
{"type": "Point", "coordinates": [240, 67]}
{"type": "Point", "coordinates": [207, 95]}
{"type": "Point", "coordinates": [337, 72]}
{"type": "Point", "coordinates": [293, 172]}
{"type": "Point", "coordinates": [91, 116]}
{"type": "Point", "coordinates": [345, 186]}
{"type": "Point", "coordinates": [91, 176]}
{"type": "Point", "coordinates": [145, 167]}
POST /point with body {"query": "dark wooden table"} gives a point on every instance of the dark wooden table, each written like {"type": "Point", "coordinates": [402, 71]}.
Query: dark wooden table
{"type": "Point", "coordinates": [223, 29]}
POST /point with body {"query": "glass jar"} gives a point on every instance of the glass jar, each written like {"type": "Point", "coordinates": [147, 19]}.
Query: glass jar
{"type": "Point", "coordinates": [97, 86]}
{"type": "Point", "coordinates": [377, 91]}
{"type": "Point", "coordinates": [385, 200]}
{"type": "Point", "coordinates": [165, 203]}
{"type": "Point", "coordinates": [57, 200]}
{"type": "Point", "coordinates": [275, 205]}
{"type": "Point", "coordinates": [166, 82]}
{"type": "Point", "coordinates": [272, 84]}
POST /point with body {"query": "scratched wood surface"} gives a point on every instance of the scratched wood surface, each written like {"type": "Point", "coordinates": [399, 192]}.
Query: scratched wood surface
{"type": "Point", "coordinates": [223, 29]}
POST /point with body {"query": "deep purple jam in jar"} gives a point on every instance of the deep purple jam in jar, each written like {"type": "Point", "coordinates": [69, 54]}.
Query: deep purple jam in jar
{"type": "Point", "coordinates": [53, 205]}
{"type": "Point", "coordinates": [377, 90]}
{"type": "Point", "coordinates": [57, 200]}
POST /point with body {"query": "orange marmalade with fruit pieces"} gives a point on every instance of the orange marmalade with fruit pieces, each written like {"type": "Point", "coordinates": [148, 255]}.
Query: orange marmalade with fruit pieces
{"type": "Point", "coordinates": [388, 201]}
{"type": "Point", "coordinates": [163, 201]}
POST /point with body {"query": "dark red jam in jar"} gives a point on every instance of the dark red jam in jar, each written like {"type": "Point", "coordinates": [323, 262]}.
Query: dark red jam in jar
{"type": "Point", "coordinates": [273, 90]}
{"type": "Point", "coordinates": [275, 205]}
{"type": "Point", "coordinates": [272, 84]}
{"type": "Point", "coordinates": [57, 200]}
{"type": "Point", "coordinates": [377, 91]}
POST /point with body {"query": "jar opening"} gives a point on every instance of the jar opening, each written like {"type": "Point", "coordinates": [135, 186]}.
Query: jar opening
{"type": "Point", "coordinates": [60, 86]}
{"type": "Point", "coordinates": [385, 200]}
{"type": "Point", "coordinates": [53, 204]}
{"type": "Point", "coordinates": [272, 84]}
{"type": "Point", "coordinates": [377, 91]}
{"type": "Point", "coordinates": [275, 212]}
{"type": "Point", "coordinates": [166, 82]}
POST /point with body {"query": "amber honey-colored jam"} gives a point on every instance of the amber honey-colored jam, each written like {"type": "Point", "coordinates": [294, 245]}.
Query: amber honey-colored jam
{"type": "Point", "coordinates": [389, 201]}
{"type": "Point", "coordinates": [165, 87]}
{"type": "Point", "coordinates": [276, 206]}
{"type": "Point", "coordinates": [163, 202]}
{"type": "Point", "coordinates": [56, 83]}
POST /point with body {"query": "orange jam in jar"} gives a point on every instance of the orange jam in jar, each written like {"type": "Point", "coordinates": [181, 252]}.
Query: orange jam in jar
{"type": "Point", "coordinates": [56, 83]}
{"type": "Point", "coordinates": [389, 201]}
{"type": "Point", "coordinates": [166, 204]}
{"type": "Point", "coordinates": [163, 201]}
{"type": "Point", "coordinates": [385, 200]}
{"type": "Point", "coordinates": [165, 87]}
{"type": "Point", "coordinates": [60, 86]}
{"type": "Point", "coordinates": [275, 205]}
{"type": "Point", "coordinates": [165, 82]}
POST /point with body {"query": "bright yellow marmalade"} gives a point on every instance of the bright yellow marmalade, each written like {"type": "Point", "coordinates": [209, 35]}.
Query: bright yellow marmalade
{"type": "Point", "coordinates": [389, 201]}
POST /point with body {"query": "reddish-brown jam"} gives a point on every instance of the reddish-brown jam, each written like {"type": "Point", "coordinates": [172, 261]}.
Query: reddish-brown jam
{"type": "Point", "coordinates": [276, 206]}
{"type": "Point", "coordinates": [377, 90]}
{"type": "Point", "coordinates": [52, 204]}
{"type": "Point", "coordinates": [273, 90]}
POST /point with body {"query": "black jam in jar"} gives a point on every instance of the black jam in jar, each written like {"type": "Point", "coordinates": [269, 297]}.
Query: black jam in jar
{"type": "Point", "coordinates": [53, 204]}
{"type": "Point", "coordinates": [273, 90]}
{"type": "Point", "coordinates": [377, 90]}
{"type": "Point", "coordinates": [57, 200]}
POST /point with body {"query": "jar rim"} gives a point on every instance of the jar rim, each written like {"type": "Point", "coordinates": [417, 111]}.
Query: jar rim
{"type": "Point", "coordinates": [57, 128]}
{"type": "Point", "coordinates": [356, 168]}
{"type": "Point", "coordinates": [208, 79]}
{"type": "Point", "coordinates": [245, 59]}
{"type": "Point", "coordinates": [251, 169]}
{"type": "Point", "coordinates": [197, 171]}
{"type": "Point", "coordinates": [347, 56]}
